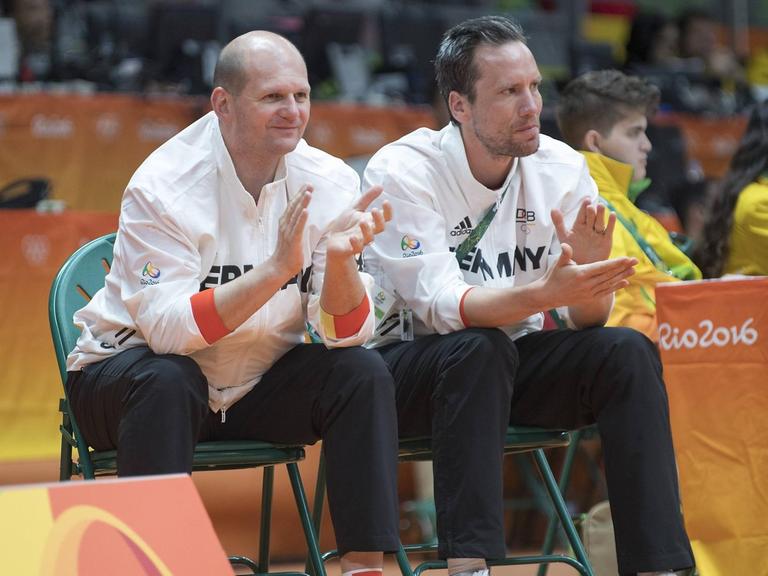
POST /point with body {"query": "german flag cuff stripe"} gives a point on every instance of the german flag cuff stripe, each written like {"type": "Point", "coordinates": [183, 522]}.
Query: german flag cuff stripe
{"type": "Point", "coordinates": [207, 317]}
{"type": "Point", "coordinates": [338, 327]}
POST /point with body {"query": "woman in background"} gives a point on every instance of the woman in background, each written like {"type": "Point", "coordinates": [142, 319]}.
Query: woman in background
{"type": "Point", "coordinates": [735, 239]}
{"type": "Point", "coordinates": [652, 43]}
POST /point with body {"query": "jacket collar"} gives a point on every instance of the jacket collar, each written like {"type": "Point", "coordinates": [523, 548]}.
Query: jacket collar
{"type": "Point", "coordinates": [602, 168]}
{"type": "Point", "coordinates": [226, 167]}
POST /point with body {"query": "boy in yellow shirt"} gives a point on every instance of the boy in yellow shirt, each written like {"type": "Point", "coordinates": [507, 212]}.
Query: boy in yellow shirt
{"type": "Point", "coordinates": [605, 115]}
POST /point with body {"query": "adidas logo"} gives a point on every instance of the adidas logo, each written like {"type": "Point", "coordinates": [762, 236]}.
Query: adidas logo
{"type": "Point", "coordinates": [463, 227]}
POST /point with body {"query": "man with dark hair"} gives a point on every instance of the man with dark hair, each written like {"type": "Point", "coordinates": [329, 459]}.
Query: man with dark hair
{"type": "Point", "coordinates": [233, 236]}
{"type": "Point", "coordinates": [497, 224]}
{"type": "Point", "coordinates": [699, 43]}
{"type": "Point", "coordinates": [605, 115]}
{"type": "Point", "coordinates": [596, 101]}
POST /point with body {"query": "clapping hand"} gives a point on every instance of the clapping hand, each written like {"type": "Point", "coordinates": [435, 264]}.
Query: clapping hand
{"type": "Point", "coordinates": [289, 253]}
{"type": "Point", "coordinates": [355, 228]}
{"type": "Point", "coordinates": [570, 284]}
{"type": "Point", "coordinates": [589, 238]}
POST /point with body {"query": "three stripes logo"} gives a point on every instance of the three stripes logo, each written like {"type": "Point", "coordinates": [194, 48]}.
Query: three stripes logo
{"type": "Point", "coordinates": [120, 337]}
{"type": "Point", "coordinates": [463, 227]}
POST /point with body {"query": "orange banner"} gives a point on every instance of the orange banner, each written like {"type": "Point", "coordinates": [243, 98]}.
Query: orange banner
{"type": "Point", "coordinates": [349, 130]}
{"type": "Point", "coordinates": [89, 146]}
{"type": "Point", "coordinates": [153, 526]}
{"type": "Point", "coordinates": [713, 337]}
{"type": "Point", "coordinates": [34, 247]}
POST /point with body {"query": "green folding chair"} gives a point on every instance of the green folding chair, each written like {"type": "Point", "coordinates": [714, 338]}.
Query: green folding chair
{"type": "Point", "coordinates": [565, 476]}
{"type": "Point", "coordinates": [78, 279]}
{"type": "Point", "coordinates": [519, 440]}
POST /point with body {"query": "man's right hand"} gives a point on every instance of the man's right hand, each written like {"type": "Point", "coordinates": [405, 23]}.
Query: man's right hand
{"type": "Point", "coordinates": [570, 284]}
{"type": "Point", "coordinates": [288, 258]}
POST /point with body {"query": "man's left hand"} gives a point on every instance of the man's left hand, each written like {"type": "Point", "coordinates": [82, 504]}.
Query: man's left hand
{"type": "Point", "coordinates": [590, 238]}
{"type": "Point", "coordinates": [356, 227]}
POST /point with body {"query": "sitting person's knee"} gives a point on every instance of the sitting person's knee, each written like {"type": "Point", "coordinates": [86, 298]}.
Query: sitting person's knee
{"type": "Point", "coordinates": [175, 375]}
{"type": "Point", "coordinates": [361, 370]}
{"type": "Point", "coordinates": [487, 350]}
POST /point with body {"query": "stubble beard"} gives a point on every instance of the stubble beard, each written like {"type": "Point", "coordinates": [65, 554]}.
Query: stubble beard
{"type": "Point", "coordinates": [499, 145]}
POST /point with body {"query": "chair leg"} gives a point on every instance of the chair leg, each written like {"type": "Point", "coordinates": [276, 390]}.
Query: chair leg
{"type": "Point", "coordinates": [539, 500]}
{"type": "Point", "coordinates": [83, 457]}
{"type": "Point", "coordinates": [402, 561]}
{"type": "Point", "coordinates": [562, 512]}
{"type": "Point", "coordinates": [565, 477]}
{"type": "Point", "coordinates": [266, 518]}
{"type": "Point", "coordinates": [317, 507]}
{"type": "Point", "coordinates": [306, 520]}
{"type": "Point", "coordinates": [65, 465]}
{"type": "Point", "coordinates": [244, 561]}
{"type": "Point", "coordinates": [65, 458]}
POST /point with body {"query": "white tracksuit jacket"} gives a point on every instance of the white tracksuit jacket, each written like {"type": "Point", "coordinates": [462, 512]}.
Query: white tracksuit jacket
{"type": "Point", "coordinates": [187, 224]}
{"type": "Point", "coordinates": [436, 202]}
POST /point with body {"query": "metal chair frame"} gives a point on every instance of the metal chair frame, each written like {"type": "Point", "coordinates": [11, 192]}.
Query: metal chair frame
{"type": "Point", "coordinates": [519, 440]}
{"type": "Point", "coordinates": [565, 476]}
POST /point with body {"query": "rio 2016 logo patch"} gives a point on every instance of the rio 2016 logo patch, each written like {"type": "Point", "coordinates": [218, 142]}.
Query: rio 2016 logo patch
{"type": "Point", "coordinates": [410, 246]}
{"type": "Point", "coordinates": [150, 274]}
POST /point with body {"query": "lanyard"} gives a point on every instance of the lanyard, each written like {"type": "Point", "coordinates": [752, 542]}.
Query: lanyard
{"type": "Point", "coordinates": [477, 232]}
{"type": "Point", "coordinates": [683, 271]}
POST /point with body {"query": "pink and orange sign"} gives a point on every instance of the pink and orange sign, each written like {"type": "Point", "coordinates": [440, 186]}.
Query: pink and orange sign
{"type": "Point", "coordinates": [151, 526]}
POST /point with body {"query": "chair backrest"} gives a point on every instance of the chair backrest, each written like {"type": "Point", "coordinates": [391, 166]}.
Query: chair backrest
{"type": "Point", "coordinates": [79, 278]}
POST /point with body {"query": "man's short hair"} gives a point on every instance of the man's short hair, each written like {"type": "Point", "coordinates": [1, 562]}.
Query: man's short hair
{"type": "Point", "coordinates": [454, 65]}
{"type": "Point", "coordinates": [230, 71]}
{"type": "Point", "coordinates": [598, 100]}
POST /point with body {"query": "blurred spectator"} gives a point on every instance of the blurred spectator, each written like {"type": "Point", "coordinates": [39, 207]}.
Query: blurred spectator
{"type": "Point", "coordinates": [735, 239]}
{"type": "Point", "coordinates": [699, 45]}
{"type": "Point", "coordinates": [34, 26]}
{"type": "Point", "coordinates": [693, 71]}
{"type": "Point", "coordinates": [689, 202]}
{"type": "Point", "coordinates": [653, 41]}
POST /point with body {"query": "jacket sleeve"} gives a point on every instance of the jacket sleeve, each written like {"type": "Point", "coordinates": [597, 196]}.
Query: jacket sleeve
{"type": "Point", "coordinates": [413, 253]}
{"type": "Point", "coordinates": [158, 267]}
{"type": "Point", "coordinates": [313, 306]}
{"type": "Point", "coordinates": [344, 197]}
{"type": "Point", "coordinates": [753, 223]}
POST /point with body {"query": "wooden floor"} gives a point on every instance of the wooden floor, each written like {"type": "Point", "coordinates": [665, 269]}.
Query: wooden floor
{"type": "Point", "coordinates": [391, 569]}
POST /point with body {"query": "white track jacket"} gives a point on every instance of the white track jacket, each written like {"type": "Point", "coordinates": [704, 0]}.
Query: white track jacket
{"type": "Point", "coordinates": [187, 224]}
{"type": "Point", "coordinates": [436, 203]}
